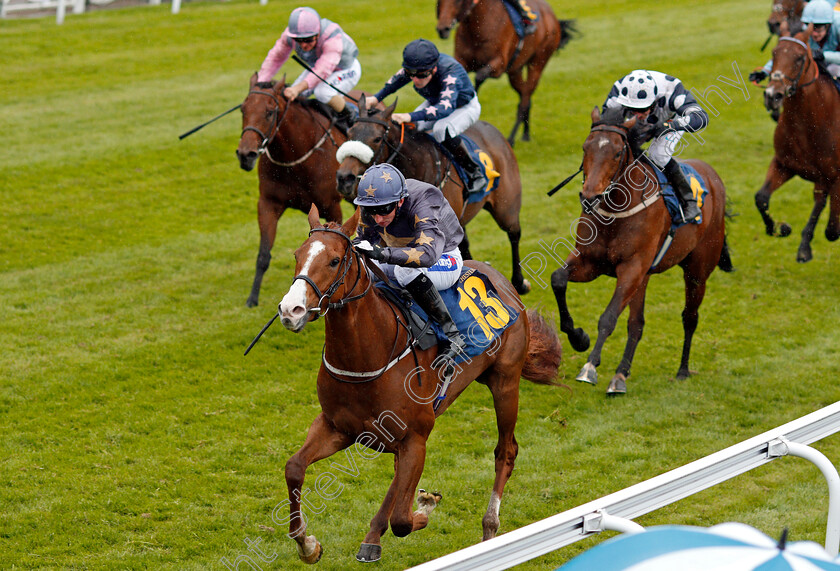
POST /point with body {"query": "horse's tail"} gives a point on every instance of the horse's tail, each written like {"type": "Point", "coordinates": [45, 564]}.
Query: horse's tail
{"type": "Point", "coordinates": [543, 361]}
{"type": "Point", "coordinates": [568, 32]}
{"type": "Point", "coordinates": [725, 261]}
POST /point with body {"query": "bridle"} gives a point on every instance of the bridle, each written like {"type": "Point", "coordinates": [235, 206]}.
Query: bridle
{"type": "Point", "coordinates": [350, 254]}
{"type": "Point", "coordinates": [779, 75]}
{"type": "Point", "coordinates": [463, 11]}
{"type": "Point", "coordinates": [266, 139]}
{"type": "Point", "coordinates": [625, 159]}
{"type": "Point", "coordinates": [395, 149]}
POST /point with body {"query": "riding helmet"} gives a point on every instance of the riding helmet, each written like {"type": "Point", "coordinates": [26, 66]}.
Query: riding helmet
{"type": "Point", "coordinates": [420, 55]}
{"type": "Point", "coordinates": [381, 184]}
{"type": "Point", "coordinates": [304, 23]}
{"type": "Point", "coordinates": [637, 90]}
{"type": "Point", "coordinates": [818, 12]}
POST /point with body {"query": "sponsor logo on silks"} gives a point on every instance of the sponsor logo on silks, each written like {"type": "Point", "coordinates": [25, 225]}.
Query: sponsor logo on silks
{"type": "Point", "coordinates": [446, 263]}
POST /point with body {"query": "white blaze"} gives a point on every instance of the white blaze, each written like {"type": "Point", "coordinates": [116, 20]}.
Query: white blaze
{"type": "Point", "coordinates": [296, 296]}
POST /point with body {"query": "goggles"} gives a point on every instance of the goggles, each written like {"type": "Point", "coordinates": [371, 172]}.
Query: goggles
{"type": "Point", "coordinates": [419, 74]}
{"type": "Point", "coordinates": [380, 210]}
{"type": "Point", "coordinates": [308, 40]}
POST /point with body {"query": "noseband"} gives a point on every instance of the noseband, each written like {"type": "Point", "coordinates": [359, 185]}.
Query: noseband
{"type": "Point", "coordinates": [346, 262]}
{"type": "Point", "coordinates": [778, 75]}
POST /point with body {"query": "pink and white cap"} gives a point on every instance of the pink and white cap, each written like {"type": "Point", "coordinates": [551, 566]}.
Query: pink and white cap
{"type": "Point", "coordinates": [304, 23]}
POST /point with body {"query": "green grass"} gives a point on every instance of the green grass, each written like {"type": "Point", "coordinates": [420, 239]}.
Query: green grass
{"type": "Point", "coordinates": [136, 435]}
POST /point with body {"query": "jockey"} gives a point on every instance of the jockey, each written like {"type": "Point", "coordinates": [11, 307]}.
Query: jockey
{"type": "Point", "coordinates": [420, 233]}
{"type": "Point", "coordinates": [451, 105]}
{"type": "Point", "coordinates": [660, 101]}
{"type": "Point", "coordinates": [529, 18]}
{"type": "Point", "coordinates": [824, 40]}
{"type": "Point", "coordinates": [328, 50]}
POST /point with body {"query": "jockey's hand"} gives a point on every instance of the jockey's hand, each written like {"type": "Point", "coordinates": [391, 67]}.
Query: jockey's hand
{"type": "Point", "coordinates": [371, 101]}
{"type": "Point", "coordinates": [373, 252]}
{"type": "Point", "coordinates": [293, 91]}
{"type": "Point", "coordinates": [818, 55]}
{"type": "Point", "coordinates": [401, 118]}
{"type": "Point", "coordinates": [758, 75]}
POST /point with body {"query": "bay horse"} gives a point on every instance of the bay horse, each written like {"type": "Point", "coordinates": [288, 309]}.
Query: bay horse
{"type": "Point", "coordinates": [375, 138]}
{"type": "Point", "coordinates": [295, 145]}
{"type": "Point", "coordinates": [373, 395]}
{"type": "Point", "coordinates": [789, 11]}
{"type": "Point", "coordinates": [806, 141]}
{"type": "Point", "coordinates": [624, 226]}
{"type": "Point", "coordinates": [486, 43]}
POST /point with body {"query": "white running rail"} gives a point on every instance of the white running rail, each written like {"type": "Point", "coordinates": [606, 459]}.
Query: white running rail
{"type": "Point", "coordinates": [616, 510]}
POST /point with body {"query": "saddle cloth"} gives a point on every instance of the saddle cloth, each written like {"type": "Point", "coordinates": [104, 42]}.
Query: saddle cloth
{"type": "Point", "coordinates": [516, 18]}
{"type": "Point", "coordinates": [487, 166]}
{"type": "Point", "coordinates": [698, 185]}
{"type": "Point", "coordinates": [475, 306]}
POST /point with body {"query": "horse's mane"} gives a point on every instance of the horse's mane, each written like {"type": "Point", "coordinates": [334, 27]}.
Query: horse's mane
{"type": "Point", "coordinates": [332, 226]}
{"type": "Point", "coordinates": [612, 116]}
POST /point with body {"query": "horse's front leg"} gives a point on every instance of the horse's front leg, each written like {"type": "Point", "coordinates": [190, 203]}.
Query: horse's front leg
{"type": "Point", "coordinates": [804, 253]}
{"type": "Point", "coordinates": [630, 276]}
{"type": "Point", "coordinates": [777, 175]}
{"type": "Point", "coordinates": [832, 229]}
{"type": "Point", "coordinates": [575, 269]}
{"type": "Point", "coordinates": [323, 440]}
{"type": "Point", "coordinates": [268, 213]}
{"type": "Point", "coordinates": [397, 505]}
{"type": "Point", "coordinates": [635, 328]}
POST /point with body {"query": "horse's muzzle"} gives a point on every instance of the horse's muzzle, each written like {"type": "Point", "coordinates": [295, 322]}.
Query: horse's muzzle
{"type": "Point", "coordinates": [444, 32]}
{"type": "Point", "coordinates": [346, 183]}
{"type": "Point", "coordinates": [247, 160]}
{"type": "Point", "coordinates": [773, 98]}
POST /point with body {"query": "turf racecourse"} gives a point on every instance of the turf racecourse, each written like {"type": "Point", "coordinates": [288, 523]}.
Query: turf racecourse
{"type": "Point", "coordinates": [134, 434]}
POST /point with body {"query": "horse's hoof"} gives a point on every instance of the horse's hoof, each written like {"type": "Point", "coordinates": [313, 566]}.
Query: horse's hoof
{"type": "Point", "coordinates": [251, 302]}
{"type": "Point", "coordinates": [784, 230]}
{"type": "Point", "coordinates": [314, 555]}
{"type": "Point", "coordinates": [588, 374]}
{"type": "Point", "coordinates": [618, 386]}
{"type": "Point", "coordinates": [683, 374]}
{"type": "Point", "coordinates": [804, 256]}
{"type": "Point", "coordinates": [524, 287]}
{"type": "Point", "coordinates": [427, 501]}
{"type": "Point", "coordinates": [368, 553]}
{"type": "Point", "coordinates": [579, 340]}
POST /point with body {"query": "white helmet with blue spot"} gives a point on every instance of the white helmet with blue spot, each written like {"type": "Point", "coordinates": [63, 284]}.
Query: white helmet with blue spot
{"type": "Point", "coordinates": [637, 90]}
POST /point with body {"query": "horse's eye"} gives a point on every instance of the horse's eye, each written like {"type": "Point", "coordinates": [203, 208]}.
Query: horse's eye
{"type": "Point", "coordinates": [377, 140]}
{"type": "Point", "coordinates": [335, 262]}
{"type": "Point", "coordinates": [618, 155]}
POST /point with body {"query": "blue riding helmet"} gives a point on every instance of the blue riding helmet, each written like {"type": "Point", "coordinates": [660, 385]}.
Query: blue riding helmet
{"type": "Point", "coordinates": [818, 12]}
{"type": "Point", "coordinates": [420, 55]}
{"type": "Point", "coordinates": [381, 184]}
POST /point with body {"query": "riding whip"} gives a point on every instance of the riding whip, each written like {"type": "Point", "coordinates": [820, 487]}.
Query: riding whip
{"type": "Point", "coordinates": [257, 338]}
{"type": "Point", "coordinates": [767, 41]}
{"type": "Point", "coordinates": [312, 71]}
{"type": "Point", "coordinates": [565, 182]}
{"type": "Point", "coordinates": [191, 131]}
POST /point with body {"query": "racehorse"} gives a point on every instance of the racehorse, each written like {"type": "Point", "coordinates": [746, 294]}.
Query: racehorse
{"type": "Point", "coordinates": [486, 43]}
{"type": "Point", "coordinates": [789, 11]}
{"type": "Point", "coordinates": [296, 148]}
{"type": "Point", "coordinates": [806, 142]}
{"type": "Point", "coordinates": [376, 396]}
{"type": "Point", "coordinates": [621, 230]}
{"type": "Point", "coordinates": [375, 138]}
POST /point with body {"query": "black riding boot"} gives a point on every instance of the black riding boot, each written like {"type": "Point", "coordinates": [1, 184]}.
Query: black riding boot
{"type": "Point", "coordinates": [347, 116]}
{"type": "Point", "coordinates": [458, 149]}
{"type": "Point", "coordinates": [427, 297]}
{"type": "Point", "coordinates": [682, 189]}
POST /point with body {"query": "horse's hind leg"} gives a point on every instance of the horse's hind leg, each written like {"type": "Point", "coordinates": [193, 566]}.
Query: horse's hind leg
{"type": "Point", "coordinates": [777, 175]}
{"type": "Point", "coordinates": [268, 213]}
{"type": "Point", "coordinates": [804, 253]}
{"type": "Point", "coordinates": [322, 440]}
{"type": "Point", "coordinates": [695, 290]}
{"type": "Point", "coordinates": [504, 385]}
{"type": "Point", "coordinates": [519, 84]}
{"type": "Point", "coordinates": [635, 328]}
{"type": "Point", "coordinates": [832, 229]}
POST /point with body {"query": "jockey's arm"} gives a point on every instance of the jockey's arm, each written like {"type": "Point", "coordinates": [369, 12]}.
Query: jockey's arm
{"type": "Point", "coordinates": [276, 57]}
{"type": "Point", "coordinates": [691, 118]}
{"type": "Point", "coordinates": [327, 62]}
{"type": "Point", "coordinates": [397, 81]}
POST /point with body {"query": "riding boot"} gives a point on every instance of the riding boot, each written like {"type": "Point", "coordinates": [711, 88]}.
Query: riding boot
{"type": "Point", "coordinates": [427, 297]}
{"type": "Point", "coordinates": [682, 189]}
{"type": "Point", "coordinates": [456, 146]}
{"type": "Point", "coordinates": [347, 116]}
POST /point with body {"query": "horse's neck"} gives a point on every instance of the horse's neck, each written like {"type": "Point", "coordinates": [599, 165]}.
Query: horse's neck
{"type": "Point", "coordinates": [638, 183]}
{"type": "Point", "coordinates": [299, 131]}
{"type": "Point", "coordinates": [418, 156]}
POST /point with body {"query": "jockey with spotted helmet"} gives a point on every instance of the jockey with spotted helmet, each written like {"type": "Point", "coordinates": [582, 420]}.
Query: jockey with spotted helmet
{"type": "Point", "coordinates": [328, 50]}
{"type": "Point", "coordinates": [451, 104]}
{"type": "Point", "coordinates": [663, 107]}
{"type": "Point", "coordinates": [420, 233]}
{"type": "Point", "coordinates": [824, 40]}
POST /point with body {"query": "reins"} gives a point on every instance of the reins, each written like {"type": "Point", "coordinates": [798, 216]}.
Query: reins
{"type": "Point", "coordinates": [778, 75]}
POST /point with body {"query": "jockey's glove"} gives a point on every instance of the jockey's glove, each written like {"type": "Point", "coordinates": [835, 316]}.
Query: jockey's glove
{"type": "Point", "coordinates": [372, 251]}
{"type": "Point", "coordinates": [758, 75]}
{"type": "Point", "coordinates": [818, 54]}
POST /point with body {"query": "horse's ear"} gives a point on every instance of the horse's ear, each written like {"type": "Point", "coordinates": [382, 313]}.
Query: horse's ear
{"type": "Point", "coordinates": [314, 217]}
{"type": "Point", "coordinates": [389, 110]}
{"type": "Point", "coordinates": [349, 227]}
{"type": "Point", "coordinates": [596, 115]}
{"type": "Point", "coordinates": [363, 105]}
{"type": "Point", "coordinates": [805, 34]}
{"type": "Point", "coordinates": [280, 85]}
{"type": "Point", "coordinates": [254, 79]}
{"type": "Point", "coordinates": [630, 123]}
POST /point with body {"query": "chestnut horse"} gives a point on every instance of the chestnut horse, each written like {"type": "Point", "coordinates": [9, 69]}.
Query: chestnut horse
{"type": "Point", "coordinates": [375, 139]}
{"type": "Point", "coordinates": [625, 226]}
{"type": "Point", "coordinates": [486, 43]}
{"type": "Point", "coordinates": [374, 395]}
{"type": "Point", "coordinates": [806, 141]}
{"type": "Point", "coordinates": [789, 11]}
{"type": "Point", "coordinates": [296, 148]}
